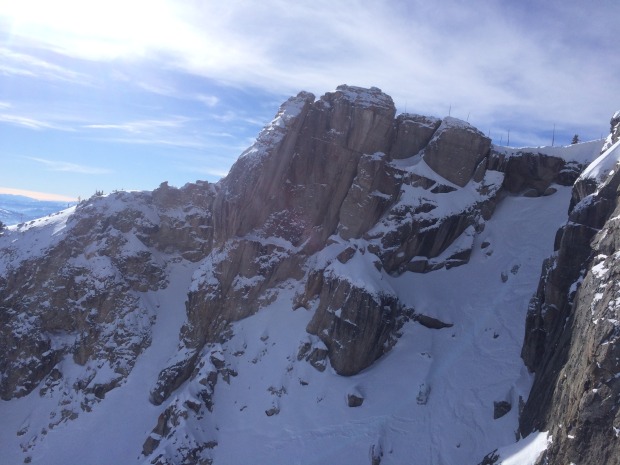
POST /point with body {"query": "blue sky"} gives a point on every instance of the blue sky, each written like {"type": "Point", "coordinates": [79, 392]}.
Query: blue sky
{"type": "Point", "coordinates": [125, 94]}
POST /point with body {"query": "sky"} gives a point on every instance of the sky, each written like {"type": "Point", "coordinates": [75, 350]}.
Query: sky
{"type": "Point", "coordinates": [126, 94]}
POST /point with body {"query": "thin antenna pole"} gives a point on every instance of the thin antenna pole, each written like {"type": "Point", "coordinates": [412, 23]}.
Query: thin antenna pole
{"type": "Point", "coordinates": [450, 110]}
{"type": "Point", "coordinates": [468, 116]}
{"type": "Point", "coordinates": [508, 143]}
{"type": "Point", "coordinates": [553, 137]}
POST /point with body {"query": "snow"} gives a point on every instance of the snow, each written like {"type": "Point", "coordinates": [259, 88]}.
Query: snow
{"type": "Point", "coordinates": [16, 209]}
{"type": "Point", "coordinates": [526, 451]}
{"type": "Point", "coordinates": [431, 397]}
{"type": "Point", "coordinates": [114, 431]}
{"type": "Point", "coordinates": [450, 122]}
{"type": "Point", "coordinates": [600, 168]}
{"type": "Point", "coordinates": [274, 132]}
{"type": "Point", "coordinates": [362, 97]}
{"type": "Point", "coordinates": [30, 239]}
{"type": "Point", "coordinates": [582, 153]}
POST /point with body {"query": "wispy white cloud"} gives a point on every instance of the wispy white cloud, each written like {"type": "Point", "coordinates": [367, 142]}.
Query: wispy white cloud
{"type": "Point", "coordinates": [209, 100]}
{"type": "Point", "coordinates": [55, 165]}
{"type": "Point", "coordinates": [168, 90]}
{"type": "Point", "coordinates": [31, 123]}
{"type": "Point", "coordinates": [213, 172]}
{"type": "Point", "coordinates": [172, 132]}
{"type": "Point", "coordinates": [233, 116]}
{"type": "Point", "coordinates": [550, 61]}
{"type": "Point", "coordinates": [142, 126]}
{"type": "Point", "coordinates": [25, 65]}
{"type": "Point", "coordinates": [172, 141]}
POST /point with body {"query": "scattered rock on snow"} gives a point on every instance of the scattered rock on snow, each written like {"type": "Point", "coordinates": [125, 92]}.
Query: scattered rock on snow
{"type": "Point", "coordinates": [501, 408]}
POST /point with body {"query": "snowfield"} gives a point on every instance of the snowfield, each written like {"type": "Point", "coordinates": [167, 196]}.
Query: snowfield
{"type": "Point", "coordinates": [430, 400]}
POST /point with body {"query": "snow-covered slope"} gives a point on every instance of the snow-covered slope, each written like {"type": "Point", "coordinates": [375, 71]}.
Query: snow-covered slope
{"type": "Point", "coordinates": [432, 397]}
{"type": "Point", "coordinates": [16, 209]}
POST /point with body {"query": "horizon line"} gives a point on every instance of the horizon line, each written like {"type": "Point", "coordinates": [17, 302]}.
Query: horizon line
{"type": "Point", "coordinates": [37, 195]}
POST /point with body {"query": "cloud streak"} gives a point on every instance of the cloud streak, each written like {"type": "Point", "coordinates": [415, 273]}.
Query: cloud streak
{"type": "Point", "coordinates": [541, 62]}
{"type": "Point", "coordinates": [30, 123]}
{"type": "Point", "coordinates": [142, 126]}
{"type": "Point", "coordinates": [55, 165]}
{"type": "Point", "coordinates": [25, 65]}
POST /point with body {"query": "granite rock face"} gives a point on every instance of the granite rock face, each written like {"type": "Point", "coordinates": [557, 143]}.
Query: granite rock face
{"type": "Point", "coordinates": [456, 150]}
{"type": "Point", "coordinates": [413, 133]}
{"type": "Point", "coordinates": [357, 326]}
{"type": "Point", "coordinates": [572, 339]}
{"type": "Point", "coordinates": [323, 170]}
{"type": "Point", "coordinates": [534, 172]}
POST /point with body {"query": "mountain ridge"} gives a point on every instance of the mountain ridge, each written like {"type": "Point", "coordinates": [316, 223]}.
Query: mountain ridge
{"type": "Point", "coordinates": [16, 209]}
{"type": "Point", "coordinates": [328, 220]}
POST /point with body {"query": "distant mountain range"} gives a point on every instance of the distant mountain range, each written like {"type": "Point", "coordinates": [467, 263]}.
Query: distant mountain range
{"type": "Point", "coordinates": [16, 209]}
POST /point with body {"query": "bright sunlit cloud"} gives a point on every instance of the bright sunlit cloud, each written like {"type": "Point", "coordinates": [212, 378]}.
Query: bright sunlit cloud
{"type": "Point", "coordinates": [36, 195]}
{"type": "Point", "coordinates": [90, 29]}
{"type": "Point", "coordinates": [175, 75]}
{"type": "Point", "coordinates": [55, 165]}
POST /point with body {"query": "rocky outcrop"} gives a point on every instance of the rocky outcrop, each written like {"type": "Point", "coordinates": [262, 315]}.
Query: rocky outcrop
{"type": "Point", "coordinates": [532, 172]}
{"type": "Point", "coordinates": [171, 423]}
{"type": "Point", "coordinates": [83, 297]}
{"type": "Point", "coordinates": [375, 187]}
{"type": "Point", "coordinates": [413, 133]}
{"type": "Point", "coordinates": [292, 182]}
{"type": "Point", "coordinates": [356, 325]}
{"type": "Point", "coordinates": [456, 150]}
{"type": "Point", "coordinates": [572, 331]}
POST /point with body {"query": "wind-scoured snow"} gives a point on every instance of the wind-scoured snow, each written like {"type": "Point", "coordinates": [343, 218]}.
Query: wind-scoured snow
{"type": "Point", "coordinates": [362, 97]}
{"type": "Point", "coordinates": [582, 153]}
{"type": "Point", "coordinates": [30, 239]}
{"type": "Point", "coordinates": [603, 166]}
{"type": "Point", "coordinates": [275, 131]}
{"type": "Point", "coordinates": [526, 451]}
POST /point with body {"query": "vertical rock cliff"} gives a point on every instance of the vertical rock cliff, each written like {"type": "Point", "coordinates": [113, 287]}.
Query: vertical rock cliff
{"type": "Point", "coordinates": [572, 339]}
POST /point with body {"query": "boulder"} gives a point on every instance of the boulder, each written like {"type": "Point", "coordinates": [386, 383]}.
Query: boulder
{"type": "Point", "coordinates": [501, 408]}
{"type": "Point", "coordinates": [356, 326]}
{"type": "Point", "coordinates": [354, 400]}
{"type": "Point", "coordinates": [412, 134]}
{"type": "Point", "coordinates": [456, 150]}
